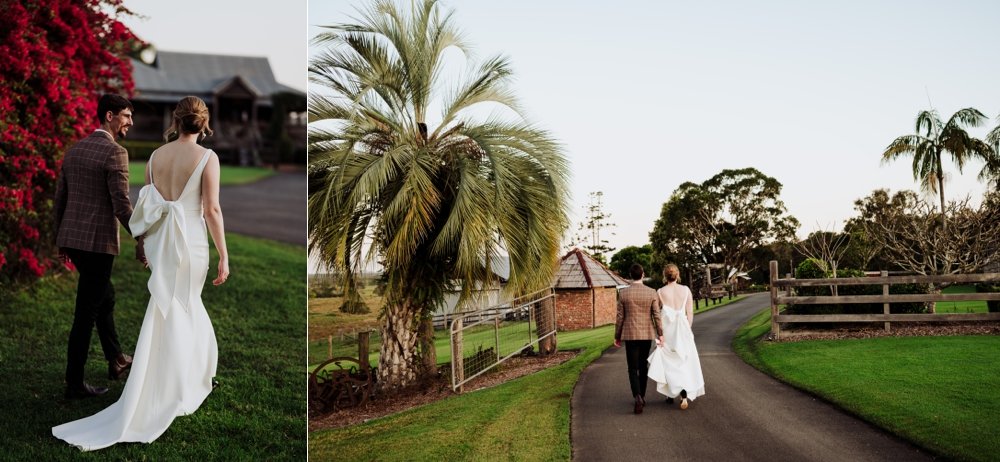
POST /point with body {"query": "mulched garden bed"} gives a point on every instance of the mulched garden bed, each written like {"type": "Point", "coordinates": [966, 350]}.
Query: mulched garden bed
{"type": "Point", "coordinates": [438, 389]}
{"type": "Point", "coordinates": [909, 329]}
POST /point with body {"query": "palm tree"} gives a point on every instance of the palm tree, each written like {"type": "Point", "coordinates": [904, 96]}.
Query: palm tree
{"type": "Point", "coordinates": [932, 140]}
{"type": "Point", "coordinates": [434, 205]}
{"type": "Point", "coordinates": [993, 165]}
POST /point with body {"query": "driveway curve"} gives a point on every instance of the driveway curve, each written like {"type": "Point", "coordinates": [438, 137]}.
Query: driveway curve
{"type": "Point", "coordinates": [744, 415]}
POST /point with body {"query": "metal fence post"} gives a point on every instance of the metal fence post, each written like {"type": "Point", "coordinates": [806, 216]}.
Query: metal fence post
{"type": "Point", "coordinates": [496, 334]}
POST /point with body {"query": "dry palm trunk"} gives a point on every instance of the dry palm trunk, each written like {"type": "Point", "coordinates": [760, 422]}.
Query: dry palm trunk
{"type": "Point", "coordinates": [399, 365]}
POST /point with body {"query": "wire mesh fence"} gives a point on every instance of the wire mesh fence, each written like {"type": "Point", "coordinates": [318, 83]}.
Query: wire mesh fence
{"type": "Point", "coordinates": [345, 344]}
{"type": "Point", "coordinates": [483, 339]}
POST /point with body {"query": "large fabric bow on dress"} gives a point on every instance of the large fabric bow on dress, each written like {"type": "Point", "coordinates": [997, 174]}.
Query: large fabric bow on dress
{"type": "Point", "coordinates": [164, 225]}
{"type": "Point", "coordinates": [676, 341]}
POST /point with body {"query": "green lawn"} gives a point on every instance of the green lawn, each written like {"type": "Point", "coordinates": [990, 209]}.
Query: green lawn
{"type": "Point", "coordinates": [977, 306]}
{"type": "Point", "coordinates": [942, 393]}
{"type": "Point", "coordinates": [258, 412]}
{"type": "Point", "coordinates": [228, 174]}
{"type": "Point", "coordinates": [525, 419]}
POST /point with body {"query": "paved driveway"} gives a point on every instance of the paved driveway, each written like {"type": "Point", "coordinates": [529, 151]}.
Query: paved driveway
{"type": "Point", "coordinates": [744, 415]}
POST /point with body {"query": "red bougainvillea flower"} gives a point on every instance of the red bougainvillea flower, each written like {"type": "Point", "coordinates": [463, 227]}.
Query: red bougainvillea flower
{"type": "Point", "coordinates": [56, 58]}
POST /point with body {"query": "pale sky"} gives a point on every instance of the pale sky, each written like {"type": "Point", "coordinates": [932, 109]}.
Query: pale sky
{"type": "Point", "coordinates": [647, 95]}
{"type": "Point", "coordinates": [276, 30]}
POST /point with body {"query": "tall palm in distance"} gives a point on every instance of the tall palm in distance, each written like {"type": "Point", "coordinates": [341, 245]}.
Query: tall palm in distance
{"type": "Point", "coordinates": [436, 204]}
{"type": "Point", "coordinates": [933, 139]}
{"type": "Point", "coordinates": [993, 139]}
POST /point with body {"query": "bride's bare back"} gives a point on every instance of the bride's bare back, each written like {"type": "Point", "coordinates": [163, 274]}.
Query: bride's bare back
{"type": "Point", "coordinates": [172, 166]}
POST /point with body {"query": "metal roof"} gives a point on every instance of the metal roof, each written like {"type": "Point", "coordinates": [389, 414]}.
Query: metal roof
{"type": "Point", "coordinates": [578, 270]}
{"type": "Point", "coordinates": [174, 75]}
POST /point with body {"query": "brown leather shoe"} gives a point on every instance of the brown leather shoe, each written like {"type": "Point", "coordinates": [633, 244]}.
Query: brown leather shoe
{"type": "Point", "coordinates": [84, 390]}
{"type": "Point", "coordinates": [118, 366]}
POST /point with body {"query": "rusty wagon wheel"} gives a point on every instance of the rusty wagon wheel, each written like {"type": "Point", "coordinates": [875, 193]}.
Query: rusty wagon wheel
{"type": "Point", "coordinates": [338, 383]}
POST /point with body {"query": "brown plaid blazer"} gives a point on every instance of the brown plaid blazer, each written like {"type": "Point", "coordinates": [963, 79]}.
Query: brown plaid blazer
{"type": "Point", "coordinates": [638, 313]}
{"type": "Point", "coordinates": [92, 194]}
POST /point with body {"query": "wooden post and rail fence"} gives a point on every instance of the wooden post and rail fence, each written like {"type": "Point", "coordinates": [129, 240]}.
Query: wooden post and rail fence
{"type": "Point", "coordinates": [782, 294]}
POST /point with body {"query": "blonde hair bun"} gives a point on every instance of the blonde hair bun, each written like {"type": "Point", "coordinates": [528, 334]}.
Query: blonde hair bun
{"type": "Point", "coordinates": [190, 116]}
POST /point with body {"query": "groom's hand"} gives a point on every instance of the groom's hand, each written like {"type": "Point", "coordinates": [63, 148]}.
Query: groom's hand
{"type": "Point", "coordinates": [140, 252]}
{"type": "Point", "coordinates": [63, 256]}
{"type": "Point", "coordinates": [659, 340]}
{"type": "Point", "coordinates": [618, 343]}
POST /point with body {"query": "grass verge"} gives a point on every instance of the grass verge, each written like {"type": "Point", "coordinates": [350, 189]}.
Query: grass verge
{"type": "Point", "coordinates": [524, 419]}
{"type": "Point", "coordinates": [258, 412]}
{"type": "Point", "coordinates": [941, 393]}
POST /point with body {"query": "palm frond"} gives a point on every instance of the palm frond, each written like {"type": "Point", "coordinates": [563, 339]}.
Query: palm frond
{"type": "Point", "coordinates": [437, 208]}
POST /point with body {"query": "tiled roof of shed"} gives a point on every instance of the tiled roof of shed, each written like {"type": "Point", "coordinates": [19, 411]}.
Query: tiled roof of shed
{"type": "Point", "coordinates": [578, 270]}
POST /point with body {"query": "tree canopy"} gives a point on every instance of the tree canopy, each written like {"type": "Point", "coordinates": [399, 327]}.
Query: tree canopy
{"type": "Point", "coordinates": [934, 138]}
{"type": "Point", "coordinates": [722, 220]}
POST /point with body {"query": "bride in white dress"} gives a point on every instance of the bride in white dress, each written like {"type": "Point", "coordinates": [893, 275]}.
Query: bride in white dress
{"type": "Point", "coordinates": [176, 353]}
{"type": "Point", "coordinates": [675, 366]}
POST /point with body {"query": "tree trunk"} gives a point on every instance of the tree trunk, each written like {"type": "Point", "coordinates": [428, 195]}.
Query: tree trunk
{"type": "Point", "coordinates": [399, 364]}
{"type": "Point", "coordinates": [941, 193]}
{"type": "Point", "coordinates": [428, 352]}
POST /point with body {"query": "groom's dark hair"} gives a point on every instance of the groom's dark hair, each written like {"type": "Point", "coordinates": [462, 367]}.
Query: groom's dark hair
{"type": "Point", "coordinates": [113, 103]}
{"type": "Point", "coordinates": [635, 271]}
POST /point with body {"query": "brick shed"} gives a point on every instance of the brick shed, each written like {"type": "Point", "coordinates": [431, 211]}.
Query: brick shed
{"type": "Point", "coordinates": [586, 291]}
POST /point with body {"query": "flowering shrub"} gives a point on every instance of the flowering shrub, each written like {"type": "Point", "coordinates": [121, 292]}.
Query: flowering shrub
{"type": "Point", "coordinates": [56, 57]}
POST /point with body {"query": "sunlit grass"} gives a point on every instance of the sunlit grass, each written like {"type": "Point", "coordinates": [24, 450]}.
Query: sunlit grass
{"type": "Point", "coordinates": [258, 412]}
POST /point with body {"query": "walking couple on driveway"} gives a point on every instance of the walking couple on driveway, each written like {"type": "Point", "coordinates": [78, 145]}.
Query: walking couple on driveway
{"type": "Point", "coordinates": [663, 316]}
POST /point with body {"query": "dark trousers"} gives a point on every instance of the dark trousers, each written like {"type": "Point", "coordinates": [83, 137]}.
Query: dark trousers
{"type": "Point", "coordinates": [95, 305]}
{"type": "Point", "coordinates": [636, 352]}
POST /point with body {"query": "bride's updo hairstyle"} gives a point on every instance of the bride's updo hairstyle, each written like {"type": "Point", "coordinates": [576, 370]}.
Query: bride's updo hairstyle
{"type": "Point", "coordinates": [190, 116]}
{"type": "Point", "coordinates": [668, 267]}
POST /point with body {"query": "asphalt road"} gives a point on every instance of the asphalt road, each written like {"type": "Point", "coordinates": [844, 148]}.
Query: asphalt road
{"type": "Point", "coordinates": [744, 414]}
{"type": "Point", "coordinates": [273, 208]}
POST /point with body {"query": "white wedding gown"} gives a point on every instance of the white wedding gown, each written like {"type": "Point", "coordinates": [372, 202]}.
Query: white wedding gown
{"type": "Point", "coordinates": [176, 353]}
{"type": "Point", "coordinates": [675, 366]}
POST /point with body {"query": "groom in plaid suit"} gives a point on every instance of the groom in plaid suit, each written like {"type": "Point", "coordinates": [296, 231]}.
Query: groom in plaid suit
{"type": "Point", "coordinates": [91, 199]}
{"type": "Point", "coordinates": [638, 323]}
